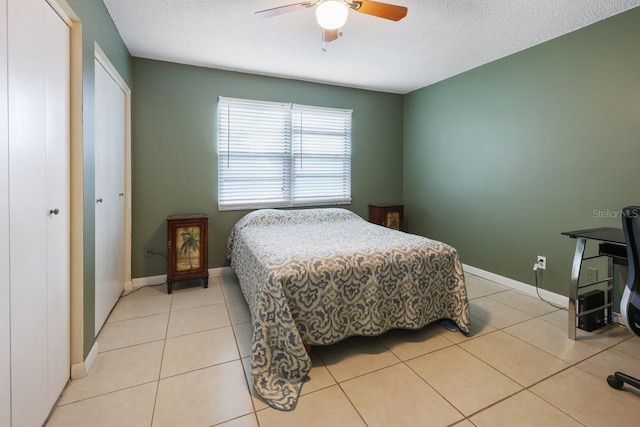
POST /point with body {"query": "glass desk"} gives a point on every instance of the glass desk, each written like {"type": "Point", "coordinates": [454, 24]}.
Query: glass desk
{"type": "Point", "coordinates": [611, 245]}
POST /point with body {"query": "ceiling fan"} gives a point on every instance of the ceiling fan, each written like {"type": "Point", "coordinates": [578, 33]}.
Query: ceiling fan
{"type": "Point", "coordinates": [332, 14]}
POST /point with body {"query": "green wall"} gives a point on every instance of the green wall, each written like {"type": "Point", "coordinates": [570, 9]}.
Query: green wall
{"type": "Point", "coordinates": [175, 137]}
{"type": "Point", "coordinates": [500, 160]}
{"type": "Point", "coordinates": [97, 27]}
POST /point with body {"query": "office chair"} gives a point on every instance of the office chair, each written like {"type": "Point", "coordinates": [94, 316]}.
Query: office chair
{"type": "Point", "coordinates": [630, 303]}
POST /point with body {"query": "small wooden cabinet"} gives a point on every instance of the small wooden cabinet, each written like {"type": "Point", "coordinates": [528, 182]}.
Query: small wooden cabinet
{"type": "Point", "coordinates": [187, 249]}
{"type": "Point", "coordinates": [387, 215]}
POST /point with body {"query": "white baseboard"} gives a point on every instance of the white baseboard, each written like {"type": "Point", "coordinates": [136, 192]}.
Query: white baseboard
{"type": "Point", "coordinates": [139, 282]}
{"type": "Point", "coordinates": [80, 370]}
{"type": "Point", "coordinates": [219, 271]}
{"type": "Point", "coordinates": [525, 288]}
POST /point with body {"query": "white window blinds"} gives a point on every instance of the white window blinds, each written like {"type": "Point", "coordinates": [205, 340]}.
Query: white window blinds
{"type": "Point", "coordinates": [279, 155]}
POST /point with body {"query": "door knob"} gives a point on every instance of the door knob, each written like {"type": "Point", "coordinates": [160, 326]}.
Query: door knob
{"type": "Point", "coordinates": [121, 194]}
{"type": "Point", "coordinates": [99, 200]}
{"type": "Point", "coordinates": [55, 211]}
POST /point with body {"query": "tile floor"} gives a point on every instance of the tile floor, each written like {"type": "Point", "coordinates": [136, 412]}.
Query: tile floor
{"type": "Point", "coordinates": [183, 360]}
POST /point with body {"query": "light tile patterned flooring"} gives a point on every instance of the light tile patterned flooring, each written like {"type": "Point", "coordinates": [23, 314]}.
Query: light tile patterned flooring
{"type": "Point", "coordinates": [183, 360]}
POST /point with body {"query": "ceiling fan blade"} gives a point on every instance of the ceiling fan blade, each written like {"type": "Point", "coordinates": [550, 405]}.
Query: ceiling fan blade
{"type": "Point", "coordinates": [381, 10]}
{"type": "Point", "coordinates": [330, 35]}
{"type": "Point", "coordinates": [281, 10]}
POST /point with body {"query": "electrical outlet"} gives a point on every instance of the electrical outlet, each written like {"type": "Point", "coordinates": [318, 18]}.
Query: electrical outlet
{"type": "Point", "coordinates": [148, 251]}
{"type": "Point", "coordinates": [541, 262]}
{"type": "Point", "coordinates": [592, 274]}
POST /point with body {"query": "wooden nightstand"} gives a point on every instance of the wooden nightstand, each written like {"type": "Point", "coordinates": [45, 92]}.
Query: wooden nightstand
{"type": "Point", "coordinates": [387, 215]}
{"type": "Point", "coordinates": [187, 249]}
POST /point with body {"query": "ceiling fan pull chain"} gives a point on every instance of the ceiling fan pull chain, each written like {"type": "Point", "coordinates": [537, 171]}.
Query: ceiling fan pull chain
{"type": "Point", "coordinates": [324, 43]}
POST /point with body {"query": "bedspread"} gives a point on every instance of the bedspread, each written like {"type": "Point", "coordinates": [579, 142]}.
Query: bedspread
{"type": "Point", "coordinates": [317, 276]}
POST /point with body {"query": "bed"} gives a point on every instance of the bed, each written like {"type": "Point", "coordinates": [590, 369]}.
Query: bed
{"type": "Point", "coordinates": [318, 276]}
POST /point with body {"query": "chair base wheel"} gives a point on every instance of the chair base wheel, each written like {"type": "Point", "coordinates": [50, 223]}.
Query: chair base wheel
{"type": "Point", "coordinates": [619, 379]}
{"type": "Point", "coordinates": [614, 382]}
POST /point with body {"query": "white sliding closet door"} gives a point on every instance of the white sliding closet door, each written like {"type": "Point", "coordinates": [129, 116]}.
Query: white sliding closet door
{"type": "Point", "coordinates": [38, 111]}
{"type": "Point", "coordinates": [109, 213]}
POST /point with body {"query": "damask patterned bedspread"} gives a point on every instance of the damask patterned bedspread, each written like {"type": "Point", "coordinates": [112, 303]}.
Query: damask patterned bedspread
{"type": "Point", "coordinates": [317, 276]}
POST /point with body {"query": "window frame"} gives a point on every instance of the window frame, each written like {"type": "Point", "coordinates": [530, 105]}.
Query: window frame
{"type": "Point", "coordinates": [327, 130]}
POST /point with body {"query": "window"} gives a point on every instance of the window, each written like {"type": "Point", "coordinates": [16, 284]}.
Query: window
{"type": "Point", "coordinates": [281, 155]}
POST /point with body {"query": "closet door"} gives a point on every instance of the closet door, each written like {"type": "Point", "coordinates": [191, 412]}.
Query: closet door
{"type": "Point", "coordinates": [38, 101]}
{"type": "Point", "coordinates": [109, 212]}
{"type": "Point", "coordinates": [28, 212]}
{"type": "Point", "coordinates": [58, 202]}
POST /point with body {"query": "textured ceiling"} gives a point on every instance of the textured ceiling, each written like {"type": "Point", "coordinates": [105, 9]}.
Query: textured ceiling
{"type": "Point", "coordinates": [436, 40]}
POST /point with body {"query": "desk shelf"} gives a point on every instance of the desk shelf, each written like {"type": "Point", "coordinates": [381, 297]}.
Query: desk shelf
{"type": "Point", "coordinates": [611, 245]}
{"type": "Point", "coordinates": [608, 279]}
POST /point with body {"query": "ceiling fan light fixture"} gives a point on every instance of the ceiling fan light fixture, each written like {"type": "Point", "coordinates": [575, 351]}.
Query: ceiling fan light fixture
{"type": "Point", "coordinates": [332, 14]}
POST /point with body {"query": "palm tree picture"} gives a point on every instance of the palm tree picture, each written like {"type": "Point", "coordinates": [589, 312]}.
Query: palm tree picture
{"type": "Point", "coordinates": [189, 245]}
